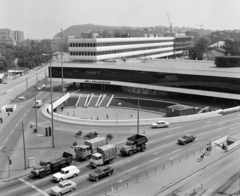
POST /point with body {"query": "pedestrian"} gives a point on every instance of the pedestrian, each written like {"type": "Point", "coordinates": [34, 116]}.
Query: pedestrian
{"type": "Point", "coordinates": [97, 118]}
{"type": "Point", "coordinates": [1, 120]}
{"type": "Point", "coordinates": [107, 116]}
{"type": "Point", "coordinates": [67, 113]}
{"type": "Point", "coordinates": [8, 114]}
{"type": "Point", "coordinates": [131, 115]}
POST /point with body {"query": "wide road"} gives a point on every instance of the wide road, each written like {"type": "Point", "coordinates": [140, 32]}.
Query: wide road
{"type": "Point", "coordinates": [161, 148]}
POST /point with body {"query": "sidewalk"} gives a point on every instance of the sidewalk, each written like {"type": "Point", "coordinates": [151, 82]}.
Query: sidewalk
{"type": "Point", "coordinates": [165, 180]}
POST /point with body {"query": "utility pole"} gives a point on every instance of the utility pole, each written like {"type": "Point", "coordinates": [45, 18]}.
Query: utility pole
{"type": "Point", "coordinates": [46, 77]}
{"type": "Point", "coordinates": [24, 148]}
{"type": "Point", "coordinates": [138, 118]}
{"type": "Point", "coordinates": [36, 113]}
{"type": "Point", "coordinates": [27, 86]}
{"type": "Point", "coordinates": [61, 60]}
{"type": "Point", "coordinates": [53, 142]}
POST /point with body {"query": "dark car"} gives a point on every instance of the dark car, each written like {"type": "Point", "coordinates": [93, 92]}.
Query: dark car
{"type": "Point", "coordinates": [101, 172]}
{"type": "Point", "coordinates": [186, 139]}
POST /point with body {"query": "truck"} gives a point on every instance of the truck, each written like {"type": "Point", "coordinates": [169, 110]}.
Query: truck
{"type": "Point", "coordinates": [134, 144]}
{"type": "Point", "coordinates": [49, 166]}
{"type": "Point", "coordinates": [104, 154]}
{"type": "Point", "coordinates": [84, 152]}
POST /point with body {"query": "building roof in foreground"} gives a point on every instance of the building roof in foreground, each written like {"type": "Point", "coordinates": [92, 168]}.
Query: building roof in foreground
{"type": "Point", "coordinates": [174, 66]}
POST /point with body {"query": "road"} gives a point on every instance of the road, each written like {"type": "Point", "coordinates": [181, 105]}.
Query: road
{"type": "Point", "coordinates": [161, 148]}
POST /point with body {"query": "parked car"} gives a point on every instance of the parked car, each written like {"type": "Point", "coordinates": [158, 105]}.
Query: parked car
{"type": "Point", "coordinates": [63, 187]}
{"type": "Point", "coordinates": [43, 86]}
{"type": "Point", "coordinates": [39, 88]}
{"type": "Point", "coordinates": [101, 172]}
{"type": "Point", "coordinates": [186, 139]}
{"type": "Point", "coordinates": [38, 103]}
{"type": "Point", "coordinates": [160, 124]}
{"type": "Point", "coordinates": [66, 172]}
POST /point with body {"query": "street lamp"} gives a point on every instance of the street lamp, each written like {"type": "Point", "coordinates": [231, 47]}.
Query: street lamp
{"type": "Point", "coordinates": [61, 61]}
{"type": "Point", "coordinates": [119, 104]}
{"type": "Point", "coordinates": [138, 118]}
{"type": "Point", "coordinates": [50, 72]}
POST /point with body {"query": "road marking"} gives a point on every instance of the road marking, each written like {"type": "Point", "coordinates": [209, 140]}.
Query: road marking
{"type": "Point", "coordinates": [28, 110]}
{"type": "Point", "coordinates": [72, 194]}
{"type": "Point", "coordinates": [34, 187]}
{"type": "Point", "coordinates": [208, 122]}
{"type": "Point", "coordinates": [24, 115]}
{"type": "Point", "coordinates": [215, 137]}
{"type": "Point", "coordinates": [16, 125]}
{"type": "Point", "coordinates": [168, 136]}
{"type": "Point", "coordinates": [174, 157]}
{"type": "Point", "coordinates": [206, 126]}
{"type": "Point", "coordinates": [130, 169]}
{"type": "Point", "coordinates": [46, 122]}
{"type": "Point", "coordinates": [196, 143]}
{"type": "Point", "coordinates": [101, 182]}
{"type": "Point", "coordinates": [6, 139]}
{"type": "Point", "coordinates": [188, 130]}
{"type": "Point", "coordinates": [233, 132]}
{"type": "Point", "coordinates": [124, 179]}
{"type": "Point", "coordinates": [202, 133]}
{"type": "Point", "coordinates": [151, 141]}
{"type": "Point", "coordinates": [158, 152]}
{"type": "Point", "coordinates": [129, 160]}
{"type": "Point", "coordinates": [176, 150]}
{"type": "Point", "coordinates": [11, 131]}
{"type": "Point", "coordinates": [199, 138]}
{"type": "Point", "coordinates": [118, 163]}
{"type": "Point", "coordinates": [154, 160]}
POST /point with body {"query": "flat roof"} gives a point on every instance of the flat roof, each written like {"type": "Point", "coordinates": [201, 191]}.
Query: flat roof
{"type": "Point", "coordinates": [174, 66]}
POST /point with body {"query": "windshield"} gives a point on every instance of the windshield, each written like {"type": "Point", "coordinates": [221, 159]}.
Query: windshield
{"type": "Point", "coordinates": [82, 149]}
{"type": "Point", "coordinates": [129, 143]}
{"type": "Point", "coordinates": [93, 157]}
{"type": "Point", "coordinates": [62, 172]}
{"type": "Point", "coordinates": [61, 186]}
{"type": "Point", "coordinates": [184, 136]}
{"type": "Point", "coordinates": [98, 171]}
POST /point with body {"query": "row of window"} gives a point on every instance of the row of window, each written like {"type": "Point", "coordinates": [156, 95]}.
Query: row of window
{"type": "Point", "coordinates": [116, 43]}
{"type": "Point", "coordinates": [115, 51]}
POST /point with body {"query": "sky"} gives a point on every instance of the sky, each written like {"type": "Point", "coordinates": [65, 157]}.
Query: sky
{"type": "Point", "coordinates": [42, 19]}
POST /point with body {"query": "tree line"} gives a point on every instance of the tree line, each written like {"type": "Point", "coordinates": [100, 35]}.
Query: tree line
{"type": "Point", "coordinates": [28, 54]}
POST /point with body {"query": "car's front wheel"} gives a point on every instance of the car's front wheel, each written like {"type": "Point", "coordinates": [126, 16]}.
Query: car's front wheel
{"type": "Point", "coordinates": [72, 189]}
{"type": "Point", "coordinates": [59, 194]}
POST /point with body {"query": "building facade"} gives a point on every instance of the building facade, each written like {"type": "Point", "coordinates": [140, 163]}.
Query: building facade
{"type": "Point", "coordinates": [211, 53]}
{"type": "Point", "coordinates": [100, 49]}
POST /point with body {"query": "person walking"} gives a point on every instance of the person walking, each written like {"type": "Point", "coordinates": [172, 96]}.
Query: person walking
{"type": "Point", "coordinates": [107, 116]}
{"type": "Point", "coordinates": [131, 115]}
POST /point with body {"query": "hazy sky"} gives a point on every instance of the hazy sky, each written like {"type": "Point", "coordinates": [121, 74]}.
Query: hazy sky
{"type": "Point", "coordinates": [40, 19]}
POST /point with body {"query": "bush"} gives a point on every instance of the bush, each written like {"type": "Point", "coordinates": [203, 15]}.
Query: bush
{"type": "Point", "coordinates": [74, 144]}
{"type": "Point", "coordinates": [109, 136]}
{"type": "Point", "coordinates": [79, 133]}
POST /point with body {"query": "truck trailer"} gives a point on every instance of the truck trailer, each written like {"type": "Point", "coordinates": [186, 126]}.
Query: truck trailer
{"type": "Point", "coordinates": [104, 154]}
{"type": "Point", "coordinates": [134, 144]}
{"type": "Point", "coordinates": [54, 165]}
{"type": "Point", "coordinates": [84, 152]}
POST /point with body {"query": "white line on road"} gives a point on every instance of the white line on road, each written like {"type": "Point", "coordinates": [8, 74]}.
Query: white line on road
{"type": "Point", "coordinates": [130, 169]}
{"type": "Point", "coordinates": [233, 132]}
{"type": "Point", "coordinates": [202, 133]}
{"type": "Point", "coordinates": [196, 143]}
{"type": "Point", "coordinates": [101, 182]}
{"type": "Point", "coordinates": [24, 115]}
{"type": "Point", "coordinates": [199, 138]}
{"type": "Point", "coordinates": [188, 130]}
{"type": "Point", "coordinates": [173, 158]}
{"type": "Point", "coordinates": [215, 137]}
{"type": "Point", "coordinates": [46, 122]}
{"type": "Point", "coordinates": [11, 131]}
{"type": "Point", "coordinates": [118, 163]}
{"type": "Point", "coordinates": [151, 141]}
{"type": "Point", "coordinates": [154, 160]}
{"type": "Point", "coordinates": [168, 136]}
{"type": "Point", "coordinates": [34, 187]}
{"type": "Point", "coordinates": [158, 152]}
{"type": "Point", "coordinates": [124, 179]}
{"type": "Point", "coordinates": [6, 139]}
{"type": "Point", "coordinates": [176, 150]}
{"type": "Point", "coordinates": [129, 160]}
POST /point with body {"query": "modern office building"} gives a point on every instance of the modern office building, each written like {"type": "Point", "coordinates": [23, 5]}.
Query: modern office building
{"type": "Point", "coordinates": [15, 36]}
{"type": "Point", "coordinates": [101, 49]}
{"type": "Point", "coordinates": [155, 77]}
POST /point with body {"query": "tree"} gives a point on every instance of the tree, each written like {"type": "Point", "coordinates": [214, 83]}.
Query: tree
{"type": "Point", "coordinates": [232, 47]}
{"type": "Point", "coordinates": [197, 51]}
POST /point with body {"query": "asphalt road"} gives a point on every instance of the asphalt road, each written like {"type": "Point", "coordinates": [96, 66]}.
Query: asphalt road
{"type": "Point", "coordinates": [160, 149]}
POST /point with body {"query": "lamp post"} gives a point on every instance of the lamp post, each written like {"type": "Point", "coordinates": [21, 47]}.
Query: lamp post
{"type": "Point", "coordinates": [119, 104]}
{"type": "Point", "coordinates": [61, 61]}
{"type": "Point", "coordinates": [138, 118]}
{"type": "Point", "coordinates": [36, 112]}
{"type": "Point", "coordinates": [24, 147]}
{"type": "Point", "coordinates": [50, 72]}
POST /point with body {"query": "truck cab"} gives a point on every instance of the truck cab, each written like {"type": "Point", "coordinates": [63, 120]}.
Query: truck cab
{"type": "Point", "coordinates": [96, 159]}
{"type": "Point", "coordinates": [83, 152]}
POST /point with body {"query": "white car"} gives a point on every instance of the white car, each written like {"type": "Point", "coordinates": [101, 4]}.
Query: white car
{"type": "Point", "coordinates": [66, 172]}
{"type": "Point", "coordinates": [160, 124]}
{"type": "Point", "coordinates": [63, 187]}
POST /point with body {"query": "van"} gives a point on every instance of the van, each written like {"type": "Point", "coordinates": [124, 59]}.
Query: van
{"type": "Point", "coordinates": [66, 172]}
{"type": "Point", "coordinates": [38, 103]}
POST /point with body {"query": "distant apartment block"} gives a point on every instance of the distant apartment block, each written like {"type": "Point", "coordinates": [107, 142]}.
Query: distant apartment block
{"type": "Point", "coordinates": [7, 35]}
